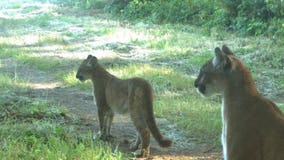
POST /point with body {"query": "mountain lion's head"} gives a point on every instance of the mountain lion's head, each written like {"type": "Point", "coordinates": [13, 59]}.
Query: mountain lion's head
{"type": "Point", "coordinates": [86, 68]}
{"type": "Point", "coordinates": [216, 74]}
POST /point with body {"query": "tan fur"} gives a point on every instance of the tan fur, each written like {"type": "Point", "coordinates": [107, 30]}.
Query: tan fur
{"type": "Point", "coordinates": [253, 126]}
{"type": "Point", "coordinates": [114, 95]}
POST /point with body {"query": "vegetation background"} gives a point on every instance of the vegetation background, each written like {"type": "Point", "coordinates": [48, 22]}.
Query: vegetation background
{"type": "Point", "coordinates": [247, 17]}
{"type": "Point", "coordinates": [45, 113]}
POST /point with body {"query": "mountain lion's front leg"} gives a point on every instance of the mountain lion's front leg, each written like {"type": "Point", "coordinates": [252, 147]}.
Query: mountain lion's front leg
{"type": "Point", "coordinates": [105, 119]}
{"type": "Point", "coordinates": [108, 117]}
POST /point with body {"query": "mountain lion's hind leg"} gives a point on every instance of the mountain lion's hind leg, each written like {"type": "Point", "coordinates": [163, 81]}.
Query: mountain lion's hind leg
{"type": "Point", "coordinates": [144, 133]}
{"type": "Point", "coordinates": [134, 146]}
{"type": "Point", "coordinates": [145, 137]}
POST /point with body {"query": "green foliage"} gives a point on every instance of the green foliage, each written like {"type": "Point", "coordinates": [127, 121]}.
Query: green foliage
{"type": "Point", "coordinates": [85, 4]}
{"type": "Point", "coordinates": [245, 16]}
{"type": "Point", "coordinates": [254, 17]}
{"type": "Point", "coordinates": [169, 10]}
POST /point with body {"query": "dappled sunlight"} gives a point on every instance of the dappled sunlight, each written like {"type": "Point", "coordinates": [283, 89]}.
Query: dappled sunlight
{"type": "Point", "coordinates": [215, 156]}
{"type": "Point", "coordinates": [162, 78]}
{"type": "Point", "coordinates": [46, 40]}
{"type": "Point", "coordinates": [18, 82]}
{"type": "Point", "coordinates": [21, 41]}
{"type": "Point", "coordinates": [139, 70]}
{"type": "Point", "coordinates": [67, 34]}
{"type": "Point", "coordinates": [125, 35]}
{"type": "Point", "coordinates": [28, 9]}
{"type": "Point", "coordinates": [43, 85]}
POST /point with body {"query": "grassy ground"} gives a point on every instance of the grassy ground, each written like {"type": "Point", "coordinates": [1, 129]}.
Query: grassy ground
{"type": "Point", "coordinates": [37, 129]}
{"type": "Point", "coordinates": [55, 39]}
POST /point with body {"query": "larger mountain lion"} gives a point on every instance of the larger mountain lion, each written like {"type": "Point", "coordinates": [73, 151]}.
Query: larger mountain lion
{"type": "Point", "coordinates": [253, 126]}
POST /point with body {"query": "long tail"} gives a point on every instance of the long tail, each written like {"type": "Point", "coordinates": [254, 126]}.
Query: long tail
{"type": "Point", "coordinates": [151, 122]}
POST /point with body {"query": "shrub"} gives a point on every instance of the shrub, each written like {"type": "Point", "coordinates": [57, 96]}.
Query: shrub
{"type": "Point", "coordinates": [244, 16]}
{"type": "Point", "coordinates": [254, 17]}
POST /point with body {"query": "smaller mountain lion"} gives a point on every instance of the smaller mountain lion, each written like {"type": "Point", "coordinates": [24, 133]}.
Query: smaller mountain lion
{"type": "Point", "coordinates": [114, 95]}
{"type": "Point", "coordinates": [253, 126]}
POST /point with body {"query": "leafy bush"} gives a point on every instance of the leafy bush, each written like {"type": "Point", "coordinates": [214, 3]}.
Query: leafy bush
{"type": "Point", "coordinates": [84, 4]}
{"type": "Point", "coordinates": [254, 17]}
{"type": "Point", "coordinates": [166, 10]}
{"type": "Point", "coordinates": [245, 16]}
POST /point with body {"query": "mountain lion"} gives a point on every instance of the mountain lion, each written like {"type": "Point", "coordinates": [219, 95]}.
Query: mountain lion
{"type": "Point", "coordinates": [253, 126]}
{"type": "Point", "coordinates": [114, 95]}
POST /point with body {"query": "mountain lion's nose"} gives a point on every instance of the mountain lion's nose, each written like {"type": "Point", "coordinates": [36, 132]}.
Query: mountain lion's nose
{"type": "Point", "coordinates": [79, 77]}
{"type": "Point", "coordinates": [202, 89]}
{"type": "Point", "coordinates": [195, 83]}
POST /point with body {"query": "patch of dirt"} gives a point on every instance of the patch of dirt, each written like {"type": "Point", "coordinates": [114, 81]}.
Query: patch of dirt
{"type": "Point", "coordinates": [80, 103]}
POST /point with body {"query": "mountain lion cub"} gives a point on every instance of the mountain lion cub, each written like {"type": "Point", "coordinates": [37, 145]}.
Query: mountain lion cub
{"type": "Point", "coordinates": [114, 95]}
{"type": "Point", "coordinates": [253, 126]}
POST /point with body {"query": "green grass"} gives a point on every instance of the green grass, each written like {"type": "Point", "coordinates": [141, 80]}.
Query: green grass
{"type": "Point", "coordinates": [36, 129]}
{"type": "Point", "coordinates": [46, 139]}
{"type": "Point", "coordinates": [51, 40]}
{"type": "Point", "coordinates": [10, 82]}
{"type": "Point", "coordinates": [161, 78]}
{"type": "Point", "coordinates": [200, 118]}
{"type": "Point", "coordinates": [70, 79]}
{"type": "Point", "coordinates": [10, 5]}
{"type": "Point", "coordinates": [29, 9]}
{"type": "Point", "coordinates": [5, 82]}
{"type": "Point", "coordinates": [98, 32]}
{"type": "Point", "coordinates": [9, 50]}
{"type": "Point", "coordinates": [39, 62]}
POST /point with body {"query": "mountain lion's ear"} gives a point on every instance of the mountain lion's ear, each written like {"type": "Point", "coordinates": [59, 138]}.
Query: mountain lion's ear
{"type": "Point", "coordinates": [89, 56]}
{"type": "Point", "coordinates": [95, 59]}
{"type": "Point", "coordinates": [92, 61]}
{"type": "Point", "coordinates": [221, 61]}
{"type": "Point", "coordinates": [218, 59]}
{"type": "Point", "coordinates": [227, 50]}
